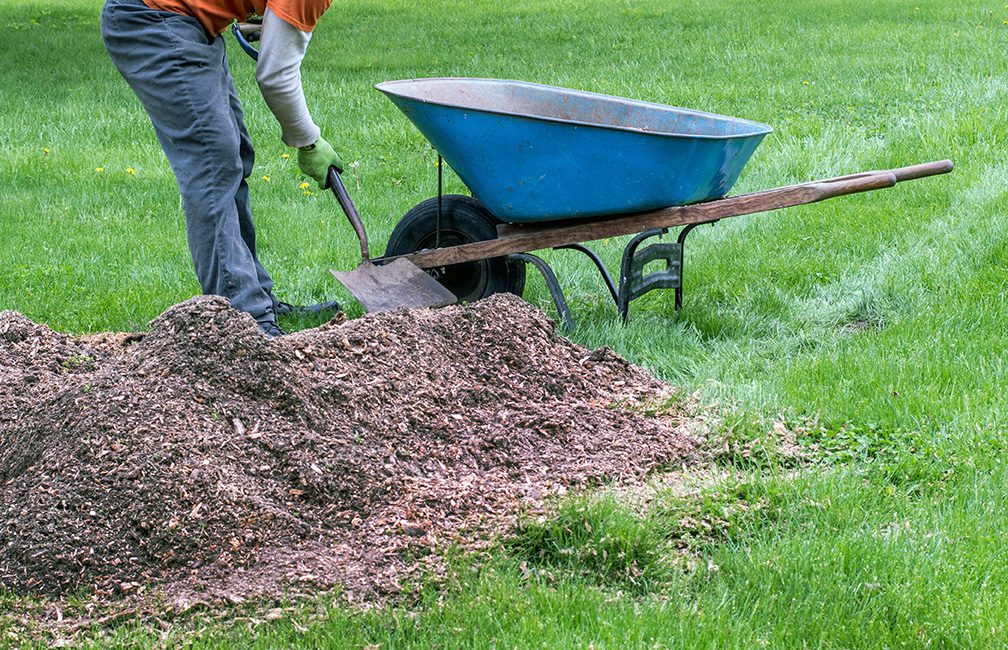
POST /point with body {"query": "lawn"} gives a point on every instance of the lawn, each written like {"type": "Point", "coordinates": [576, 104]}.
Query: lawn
{"type": "Point", "coordinates": [872, 326]}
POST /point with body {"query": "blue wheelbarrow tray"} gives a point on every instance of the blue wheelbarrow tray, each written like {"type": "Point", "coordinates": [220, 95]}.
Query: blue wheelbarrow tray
{"type": "Point", "coordinates": [534, 153]}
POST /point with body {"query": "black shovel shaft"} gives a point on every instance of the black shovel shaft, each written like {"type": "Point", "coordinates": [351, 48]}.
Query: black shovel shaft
{"type": "Point", "coordinates": [339, 189]}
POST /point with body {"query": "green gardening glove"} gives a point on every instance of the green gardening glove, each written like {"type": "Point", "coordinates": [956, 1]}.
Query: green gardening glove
{"type": "Point", "coordinates": [316, 159]}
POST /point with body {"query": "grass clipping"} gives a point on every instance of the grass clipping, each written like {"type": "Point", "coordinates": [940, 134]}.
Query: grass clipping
{"type": "Point", "coordinates": [203, 461]}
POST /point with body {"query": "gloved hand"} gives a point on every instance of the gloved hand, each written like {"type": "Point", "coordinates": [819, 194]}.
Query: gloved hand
{"type": "Point", "coordinates": [316, 159]}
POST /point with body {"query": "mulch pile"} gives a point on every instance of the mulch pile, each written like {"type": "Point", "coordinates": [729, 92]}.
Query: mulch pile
{"type": "Point", "coordinates": [201, 460]}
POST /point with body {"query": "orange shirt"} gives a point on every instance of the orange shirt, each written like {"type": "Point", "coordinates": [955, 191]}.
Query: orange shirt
{"type": "Point", "coordinates": [216, 15]}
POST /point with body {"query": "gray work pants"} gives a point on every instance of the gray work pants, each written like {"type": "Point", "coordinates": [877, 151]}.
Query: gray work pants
{"type": "Point", "coordinates": [181, 76]}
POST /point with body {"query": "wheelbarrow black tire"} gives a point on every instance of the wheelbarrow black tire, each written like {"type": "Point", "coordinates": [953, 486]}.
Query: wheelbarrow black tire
{"type": "Point", "coordinates": [463, 220]}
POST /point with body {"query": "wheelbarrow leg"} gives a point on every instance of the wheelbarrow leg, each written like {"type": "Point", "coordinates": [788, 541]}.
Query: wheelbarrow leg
{"type": "Point", "coordinates": [633, 282]}
{"type": "Point", "coordinates": [599, 264]}
{"type": "Point", "coordinates": [682, 266]}
{"type": "Point", "coordinates": [551, 283]}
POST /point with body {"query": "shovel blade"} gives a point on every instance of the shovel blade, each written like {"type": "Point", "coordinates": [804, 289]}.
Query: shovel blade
{"type": "Point", "coordinates": [400, 283]}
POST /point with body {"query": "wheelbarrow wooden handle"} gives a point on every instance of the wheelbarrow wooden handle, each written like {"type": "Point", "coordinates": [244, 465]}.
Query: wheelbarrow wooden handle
{"type": "Point", "coordinates": [250, 30]}
{"type": "Point", "coordinates": [339, 189]}
{"type": "Point", "coordinates": [909, 173]}
{"type": "Point", "coordinates": [923, 170]}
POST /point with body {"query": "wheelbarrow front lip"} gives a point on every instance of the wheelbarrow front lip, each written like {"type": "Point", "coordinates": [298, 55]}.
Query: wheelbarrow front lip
{"type": "Point", "coordinates": [400, 88]}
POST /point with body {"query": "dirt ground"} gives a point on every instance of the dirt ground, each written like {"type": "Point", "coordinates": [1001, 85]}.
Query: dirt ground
{"type": "Point", "coordinates": [201, 461]}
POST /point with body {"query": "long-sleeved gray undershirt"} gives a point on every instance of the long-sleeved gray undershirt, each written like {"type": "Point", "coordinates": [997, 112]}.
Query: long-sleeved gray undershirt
{"type": "Point", "coordinates": [278, 74]}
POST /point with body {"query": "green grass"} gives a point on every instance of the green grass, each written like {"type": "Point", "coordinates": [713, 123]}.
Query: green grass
{"type": "Point", "coordinates": [890, 534]}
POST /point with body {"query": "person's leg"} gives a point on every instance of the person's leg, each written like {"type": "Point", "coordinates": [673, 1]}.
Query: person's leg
{"type": "Point", "coordinates": [242, 196]}
{"type": "Point", "coordinates": [181, 78]}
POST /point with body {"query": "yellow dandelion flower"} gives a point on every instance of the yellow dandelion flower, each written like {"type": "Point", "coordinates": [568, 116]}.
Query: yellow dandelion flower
{"type": "Point", "coordinates": [304, 186]}
{"type": "Point", "coordinates": [99, 169]}
{"type": "Point", "coordinates": [266, 178]}
{"type": "Point", "coordinates": [806, 83]}
{"type": "Point", "coordinates": [285, 156]}
{"type": "Point", "coordinates": [130, 171]}
{"type": "Point", "coordinates": [307, 193]}
{"type": "Point", "coordinates": [45, 151]}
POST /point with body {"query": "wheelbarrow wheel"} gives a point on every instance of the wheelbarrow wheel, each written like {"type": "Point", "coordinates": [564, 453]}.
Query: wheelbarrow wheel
{"type": "Point", "coordinates": [463, 220]}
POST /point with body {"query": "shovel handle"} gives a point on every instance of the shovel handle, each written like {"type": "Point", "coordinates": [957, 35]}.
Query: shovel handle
{"type": "Point", "coordinates": [339, 189]}
{"type": "Point", "coordinates": [244, 33]}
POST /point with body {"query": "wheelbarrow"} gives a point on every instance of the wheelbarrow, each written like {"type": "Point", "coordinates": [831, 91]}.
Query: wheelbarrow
{"type": "Point", "coordinates": [555, 168]}
{"type": "Point", "coordinates": [551, 167]}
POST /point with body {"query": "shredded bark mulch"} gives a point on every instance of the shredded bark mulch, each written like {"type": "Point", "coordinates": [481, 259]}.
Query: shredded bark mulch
{"type": "Point", "coordinates": [202, 461]}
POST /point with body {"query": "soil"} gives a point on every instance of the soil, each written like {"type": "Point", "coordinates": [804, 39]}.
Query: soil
{"type": "Point", "coordinates": [201, 461]}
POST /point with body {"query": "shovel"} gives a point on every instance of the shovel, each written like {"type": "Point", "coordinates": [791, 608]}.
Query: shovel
{"type": "Point", "coordinates": [400, 283]}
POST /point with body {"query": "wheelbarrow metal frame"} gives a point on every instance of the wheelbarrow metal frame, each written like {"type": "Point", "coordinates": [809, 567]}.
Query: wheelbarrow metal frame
{"type": "Point", "coordinates": [519, 240]}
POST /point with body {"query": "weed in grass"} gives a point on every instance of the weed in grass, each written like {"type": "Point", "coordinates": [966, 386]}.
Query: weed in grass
{"type": "Point", "coordinates": [642, 548]}
{"type": "Point", "coordinates": [723, 511]}
{"type": "Point", "coordinates": [599, 540]}
{"type": "Point", "coordinates": [743, 439]}
{"type": "Point", "coordinates": [78, 362]}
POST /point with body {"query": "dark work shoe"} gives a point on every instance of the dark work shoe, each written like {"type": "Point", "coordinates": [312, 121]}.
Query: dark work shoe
{"type": "Point", "coordinates": [283, 308]}
{"type": "Point", "coordinates": [270, 329]}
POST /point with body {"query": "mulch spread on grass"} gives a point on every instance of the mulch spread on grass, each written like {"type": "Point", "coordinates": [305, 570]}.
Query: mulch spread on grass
{"type": "Point", "coordinates": [202, 461]}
